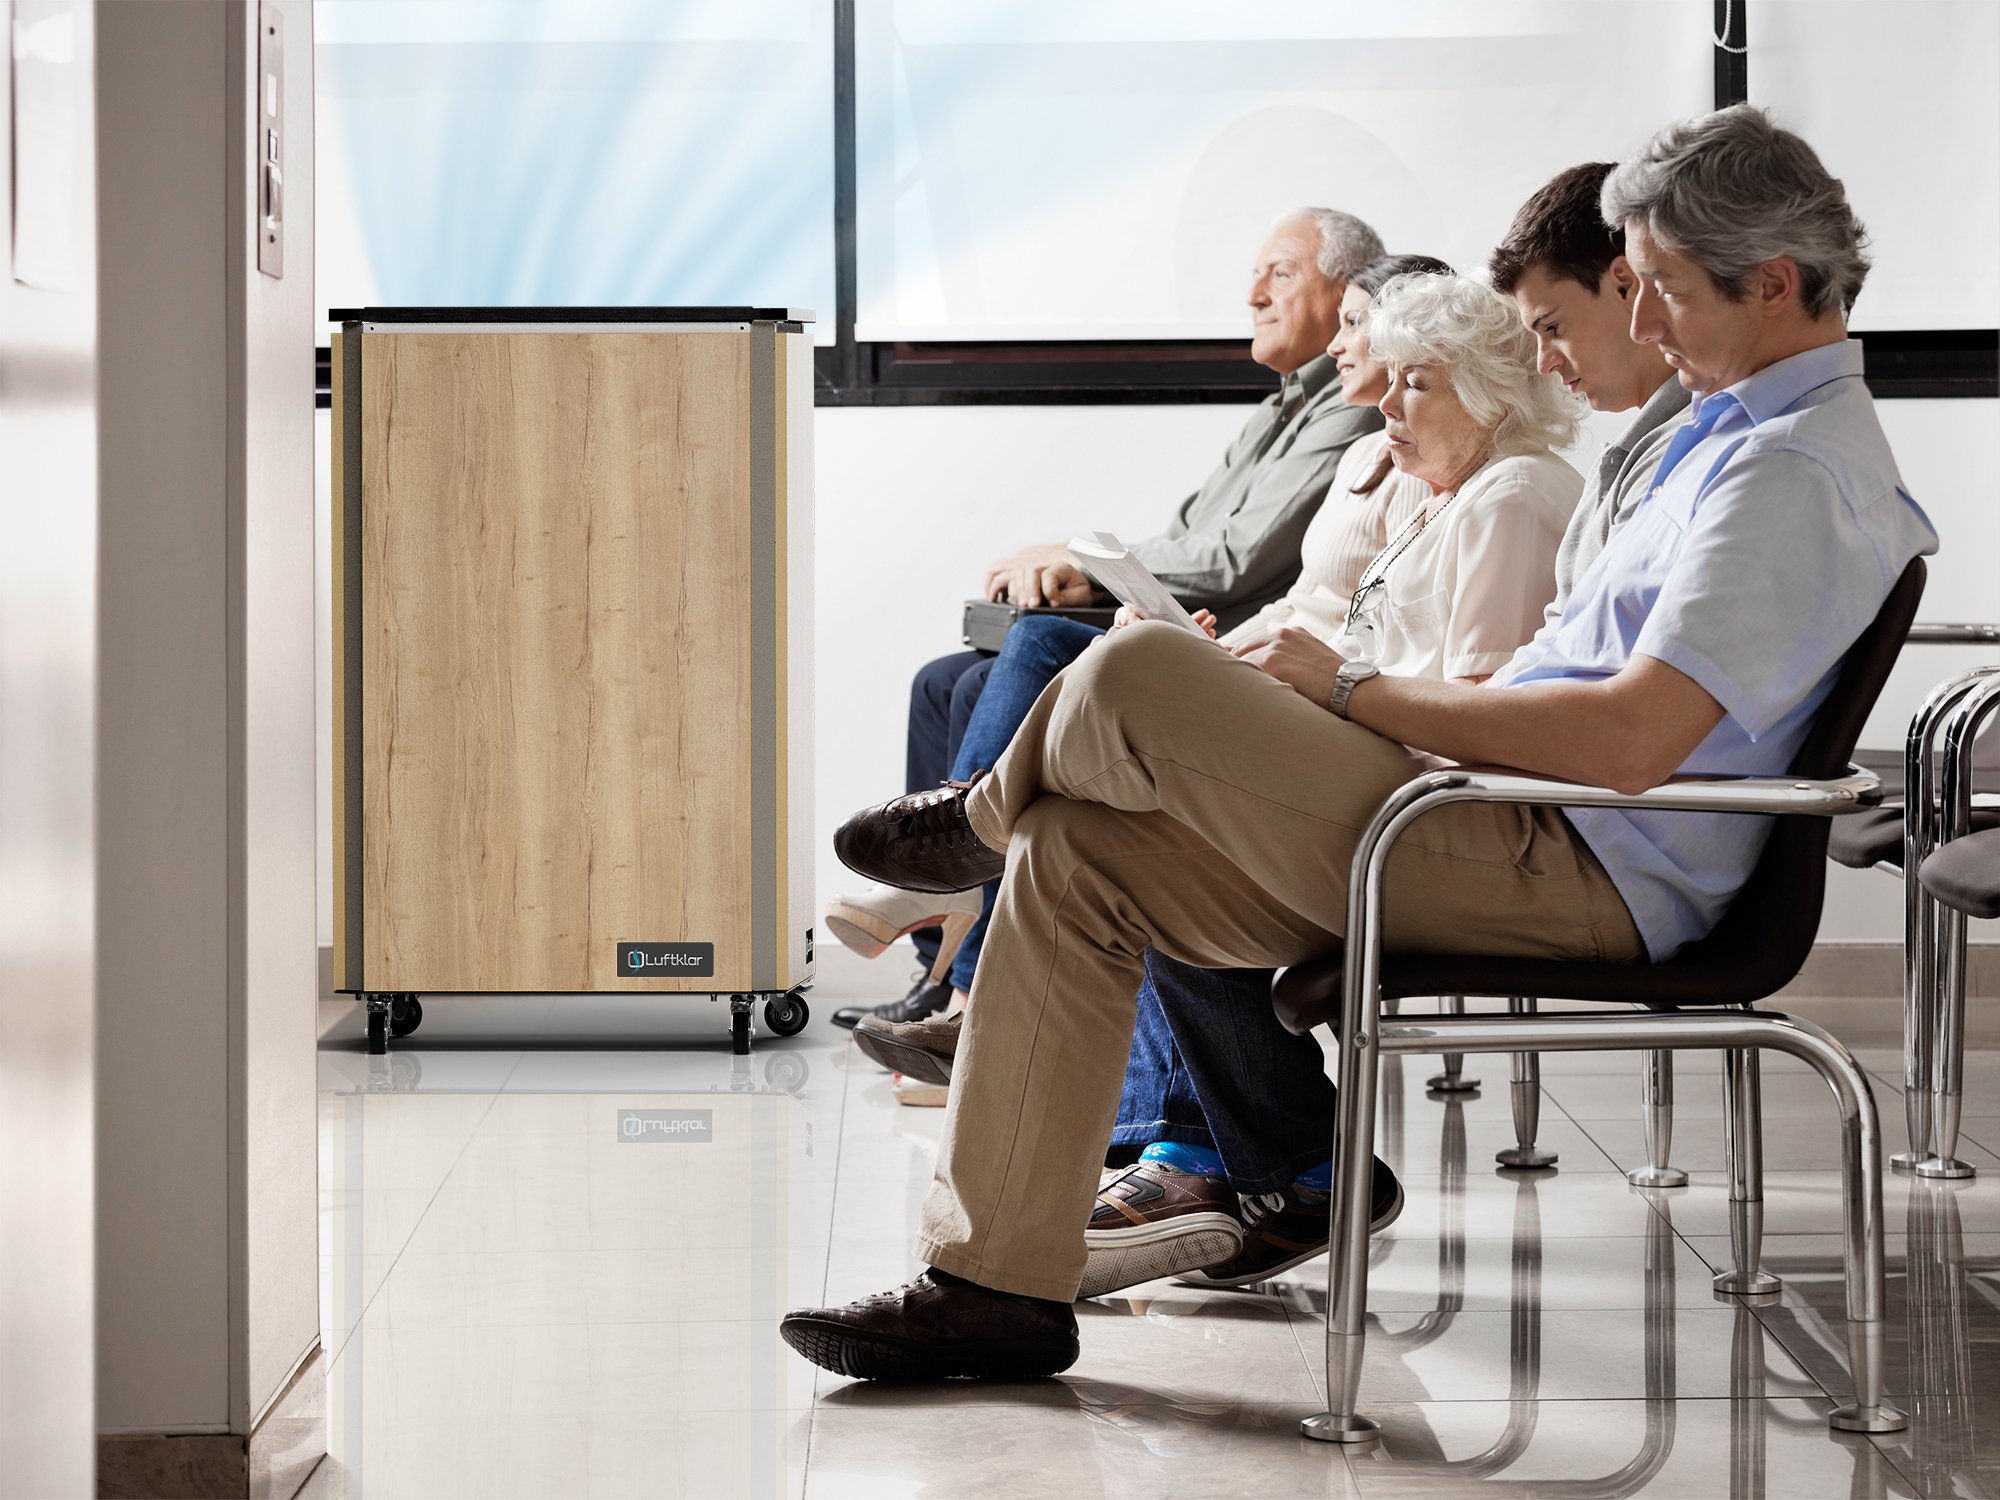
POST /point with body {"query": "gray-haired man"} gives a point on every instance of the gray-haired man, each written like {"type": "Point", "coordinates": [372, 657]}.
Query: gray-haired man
{"type": "Point", "coordinates": [1232, 546]}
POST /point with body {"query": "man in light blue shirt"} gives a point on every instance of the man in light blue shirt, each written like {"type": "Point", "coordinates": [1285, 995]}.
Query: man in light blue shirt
{"type": "Point", "coordinates": [1774, 528]}
{"type": "Point", "coordinates": [1161, 795]}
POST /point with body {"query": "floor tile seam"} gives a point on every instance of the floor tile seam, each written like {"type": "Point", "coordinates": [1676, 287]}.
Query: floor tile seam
{"type": "Point", "coordinates": [1611, 1162]}
{"type": "Point", "coordinates": [396, 1257]}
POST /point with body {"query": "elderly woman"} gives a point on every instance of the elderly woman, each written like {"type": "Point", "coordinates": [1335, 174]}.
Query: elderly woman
{"type": "Point", "coordinates": [1463, 582]}
{"type": "Point", "coordinates": [1455, 591]}
{"type": "Point", "coordinates": [1368, 501]}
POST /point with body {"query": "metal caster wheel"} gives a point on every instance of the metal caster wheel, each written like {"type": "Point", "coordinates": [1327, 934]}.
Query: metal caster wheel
{"type": "Point", "coordinates": [739, 1033]}
{"type": "Point", "coordinates": [406, 1014]}
{"type": "Point", "coordinates": [787, 1015]}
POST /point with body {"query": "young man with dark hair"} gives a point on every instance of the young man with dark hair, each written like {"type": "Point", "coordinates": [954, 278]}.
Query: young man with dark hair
{"type": "Point", "coordinates": [1567, 272]}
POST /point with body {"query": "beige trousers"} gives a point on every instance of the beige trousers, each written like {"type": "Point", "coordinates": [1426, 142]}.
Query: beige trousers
{"type": "Point", "coordinates": [1163, 793]}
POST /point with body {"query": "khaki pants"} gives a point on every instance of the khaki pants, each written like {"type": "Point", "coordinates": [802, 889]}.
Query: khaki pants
{"type": "Point", "coordinates": [1162, 792]}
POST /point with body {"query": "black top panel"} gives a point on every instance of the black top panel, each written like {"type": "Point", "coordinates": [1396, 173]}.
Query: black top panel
{"type": "Point", "coordinates": [568, 315]}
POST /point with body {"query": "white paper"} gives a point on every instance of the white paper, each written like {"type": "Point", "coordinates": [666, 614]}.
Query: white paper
{"type": "Point", "coordinates": [1130, 581]}
{"type": "Point", "coordinates": [43, 36]}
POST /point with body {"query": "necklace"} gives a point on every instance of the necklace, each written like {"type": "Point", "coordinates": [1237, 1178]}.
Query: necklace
{"type": "Point", "coordinates": [1376, 575]}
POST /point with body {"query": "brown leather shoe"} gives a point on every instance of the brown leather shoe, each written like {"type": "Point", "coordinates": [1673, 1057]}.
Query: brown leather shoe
{"type": "Point", "coordinates": [921, 842]}
{"type": "Point", "coordinates": [1287, 1229]}
{"type": "Point", "coordinates": [922, 1049]}
{"type": "Point", "coordinates": [934, 1328]}
{"type": "Point", "coordinates": [1154, 1220]}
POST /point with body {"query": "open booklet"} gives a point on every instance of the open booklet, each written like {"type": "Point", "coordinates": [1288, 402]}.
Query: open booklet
{"type": "Point", "coordinates": [1130, 581]}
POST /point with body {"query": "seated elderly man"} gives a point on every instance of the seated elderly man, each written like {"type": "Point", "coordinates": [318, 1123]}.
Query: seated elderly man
{"type": "Point", "coordinates": [1231, 547]}
{"type": "Point", "coordinates": [1234, 1114]}
{"type": "Point", "coordinates": [1164, 793]}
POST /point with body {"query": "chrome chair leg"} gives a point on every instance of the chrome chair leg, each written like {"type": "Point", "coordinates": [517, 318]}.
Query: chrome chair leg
{"type": "Point", "coordinates": [1948, 1054]}
{"type": "Point", "coordinates": [1524, 1154]}
{"type": "Point", "coordinates": [1363, 1039]}
{"type": "Point", "coordinates": [1954, 814]}
{"type": "Point", "coordinates": [1923, 982]}
{"type": "Point", "coordinates": [1743, 1147]}
{"type": "Point", "coordinates": [1861, 1180]}
{"type": "Point", "coordinates": [1656, 1084]}
{"type": "Point", "coordinates": [1452, 1080]}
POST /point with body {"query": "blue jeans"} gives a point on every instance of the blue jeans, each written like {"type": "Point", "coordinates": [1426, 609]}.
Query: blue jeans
{"type": "Point", "coordinates": [942, 697]}
{"type": "Point", "coordinates": [1036, 649]}
{"type": "Point", "coordinates": [1212, 1066]}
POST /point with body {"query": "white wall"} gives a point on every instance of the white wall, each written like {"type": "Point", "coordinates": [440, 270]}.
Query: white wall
{"type": "Point", "coordinates": [207, 1191]}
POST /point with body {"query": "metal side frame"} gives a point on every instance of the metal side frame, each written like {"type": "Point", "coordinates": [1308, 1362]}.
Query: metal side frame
{"type": "Point", "coordinates": [1929, 1051]}
{"type": "Point", "coordinates": [1952, 809]}
{"type": "Point", "coordinates": [1363, 1040]}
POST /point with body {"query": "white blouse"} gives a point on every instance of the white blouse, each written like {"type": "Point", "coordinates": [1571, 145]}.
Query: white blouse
{"type": "Point", "coordinates": [1344, 537]}
{"type": "Point", "coordinates": [1472, 586]}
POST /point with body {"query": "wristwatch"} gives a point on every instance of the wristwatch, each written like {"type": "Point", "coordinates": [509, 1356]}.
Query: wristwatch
{"type": "Point", "coordinates": [1350, 673]}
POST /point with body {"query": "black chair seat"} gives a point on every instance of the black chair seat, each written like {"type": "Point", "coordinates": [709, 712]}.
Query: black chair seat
{"type": "Point", "coordinates": [1871, 838]}
{"type": "Point", "coordinates": [1965, 874]}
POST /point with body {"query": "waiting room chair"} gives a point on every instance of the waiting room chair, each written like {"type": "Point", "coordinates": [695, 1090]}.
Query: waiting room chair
{"type": "Point", "coordinates": [1957, 863]}
{"type": "Point", "coordinates": [1757, 947]}
{"type": "Point", "coordinates": [1888, 838]}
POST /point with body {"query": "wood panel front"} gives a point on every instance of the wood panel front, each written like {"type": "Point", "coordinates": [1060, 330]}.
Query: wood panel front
{"type": "Point", "coordinates": [556, 691]}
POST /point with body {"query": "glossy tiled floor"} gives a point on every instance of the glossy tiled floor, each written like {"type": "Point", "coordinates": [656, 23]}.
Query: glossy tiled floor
{"type": "Point", "coordinates": [522, 1299]}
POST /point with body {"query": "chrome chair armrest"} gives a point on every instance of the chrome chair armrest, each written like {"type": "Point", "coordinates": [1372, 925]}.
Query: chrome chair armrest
{"type": "Point", "coordinates": [1939, 633]}
{"type": "Point", "coordinates": [1858, 791]}
{"type": "Point", "coordinates": [1955, 800]}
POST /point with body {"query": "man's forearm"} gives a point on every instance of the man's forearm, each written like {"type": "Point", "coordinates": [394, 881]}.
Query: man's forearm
{"type": "Point", "coordinates": [1627, 732]}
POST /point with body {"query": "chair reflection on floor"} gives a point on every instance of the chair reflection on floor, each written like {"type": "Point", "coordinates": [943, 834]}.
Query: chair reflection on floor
{"type": "Point", "coordinates": [1946, 1440]}
{"type": "Point", "coordinates": [1524, 1323]}
{"type": "Point", "coordinates": [1937, 1313]}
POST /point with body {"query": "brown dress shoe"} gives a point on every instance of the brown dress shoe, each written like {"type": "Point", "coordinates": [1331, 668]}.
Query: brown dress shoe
{"type": "Point", "coordinates": [921, 842]}
{"type": "Point", "coordinates": [922, 1049]}
{"type": "Point", "coordinates": [1282, 1230]}
{"type": "Point", "coordinates": [1154, 1220]}
{"type": "Point", "coordinates": [934, 1328]}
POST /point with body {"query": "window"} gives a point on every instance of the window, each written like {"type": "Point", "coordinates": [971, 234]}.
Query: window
{"type": "Point", "coordinates": [1106, 169]}
{"type": "Point", "coordinates": [576, 152]}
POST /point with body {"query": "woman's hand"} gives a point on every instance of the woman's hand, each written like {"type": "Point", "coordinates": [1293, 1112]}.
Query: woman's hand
{"type": "Point", "coordinates": [1262, 636]}
{"type": "Point", "coordinates": [1299, 659]}
{"type": "Point", "coordinates": [1126, 616]}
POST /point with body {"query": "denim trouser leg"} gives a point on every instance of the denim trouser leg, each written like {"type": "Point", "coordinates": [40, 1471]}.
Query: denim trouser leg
{"type": "Point", "coordinates": [935, 692]}
{"type": "Point", "coordinates": [1036, 649]}
{"type": "Point", "coordinates": [942, 697]}
{"type": "Point", "coordinates": [1217, 1054]}
{"type": "Point", "coordinates": [1159, 1102]}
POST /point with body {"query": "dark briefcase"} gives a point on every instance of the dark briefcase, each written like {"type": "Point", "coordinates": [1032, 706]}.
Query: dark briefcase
{"type": "Point", "coordinates": [986, 624]}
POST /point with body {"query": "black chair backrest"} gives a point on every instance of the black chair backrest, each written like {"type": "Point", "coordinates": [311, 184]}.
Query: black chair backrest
{"type": "Point", "coordinates": [1765, 936]}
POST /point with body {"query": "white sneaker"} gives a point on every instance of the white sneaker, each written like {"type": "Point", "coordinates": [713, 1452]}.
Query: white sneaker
{"type": "Point", "coordinates": [871, 921]}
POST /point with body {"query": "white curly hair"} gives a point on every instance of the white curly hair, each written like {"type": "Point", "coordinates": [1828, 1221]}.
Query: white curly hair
{"type": "Point", "coordinates": [1473, 334]}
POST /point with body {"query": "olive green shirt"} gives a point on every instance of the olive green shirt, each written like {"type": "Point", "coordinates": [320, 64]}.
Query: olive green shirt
{"type": "Point", "coordinates": [1233, 545]}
